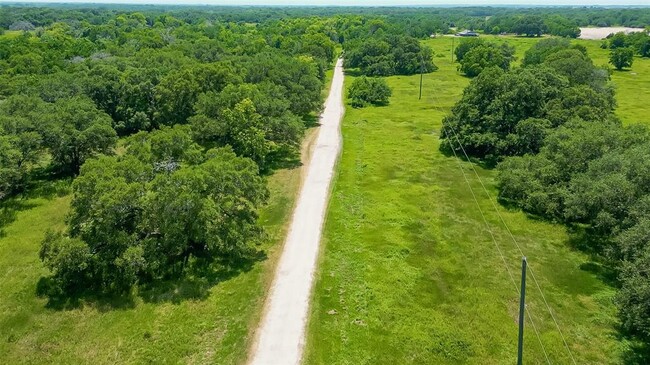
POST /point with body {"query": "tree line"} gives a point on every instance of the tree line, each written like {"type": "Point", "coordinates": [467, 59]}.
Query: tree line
{"type": "Point", "coordinates": [418, 22]}
{"type": "Point", "coordinates": [563, 155]}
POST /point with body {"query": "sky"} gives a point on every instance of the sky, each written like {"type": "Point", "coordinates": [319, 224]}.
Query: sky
{"type": "Point", "coordinates": [356, 2]}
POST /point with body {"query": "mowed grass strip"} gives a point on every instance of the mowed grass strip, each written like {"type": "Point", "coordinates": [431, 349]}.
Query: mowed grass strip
{"type": "Point", "coordinates": [409, 273]}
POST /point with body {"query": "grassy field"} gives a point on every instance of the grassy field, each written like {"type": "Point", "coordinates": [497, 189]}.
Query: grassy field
{"type": "Point", "coordinates": [196, 321]}
{"type": "Point", "coordinates": [409, 273]}
{"type": "Point", "coordinates": [632, 86]}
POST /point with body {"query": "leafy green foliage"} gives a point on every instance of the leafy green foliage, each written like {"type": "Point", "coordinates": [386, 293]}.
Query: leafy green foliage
{"type": "Point", "coordinates": [638, 41]}
{"type": "Point", "coordinates": [634, 296]}
{"type": "Point", "coordinates": [530, 25]}
{"type": "Point", "coordinates": [389, 55]}
{"type": "Point", "coordinates": [538, 53]}
{"type": "Point", "coordinates": [145, 214]}
{"type": "Point", "coordinates": [621, 58]}
{"type": "Point", "coordinates": [466, 45]}
{"type": "Point", "coordinates": [508, 113]}
{"type": "Point", "coordinates": [368, 90]}
{"type": "Point", "coordinates": [475, 55]}
{"type": "Point", "coordinates": [75, 131]}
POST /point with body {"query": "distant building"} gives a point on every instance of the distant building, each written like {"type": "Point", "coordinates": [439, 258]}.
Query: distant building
{"type": "Point", "coordinates": [467, 33]}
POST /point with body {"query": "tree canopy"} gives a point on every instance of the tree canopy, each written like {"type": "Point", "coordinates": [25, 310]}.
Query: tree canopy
{"type": "Point", "coordinates": [143, 215]}
{"type": "Point", "coordinates": [475, 55]}
{"type": "Point", "coordinates": [386, 55]}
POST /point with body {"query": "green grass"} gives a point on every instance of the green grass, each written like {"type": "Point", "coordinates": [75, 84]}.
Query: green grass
{"type": "Point", "coordinates": [185, 323]}
{"type": "Point", "coordinates": [632, 85]}
{"type": "Point", "coordinates": [10, 34]}
{"type": "Point", "coordinates": [409, 274]}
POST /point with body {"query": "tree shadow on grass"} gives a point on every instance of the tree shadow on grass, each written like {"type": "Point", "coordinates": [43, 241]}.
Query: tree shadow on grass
{"type": "Point", "coordinates": [584, 239]}
{"type": "Point", "coordinates": [198, 282]}
{"type": "Point", "coordinates": [311, 121]}
{"type": "Point", "coordinates": [289, 159]}
{"type": "Point", "coordinates": [602, 271]}
{"type": "Point", "coordinates": [446, 149]}
{"type": "Point", "coordinates": [41, 185]}
{"type": "Point", "coordinates": [194, 284]}
{"type": "Point", "coordinates": [9, 210]}
{"type": "Point", "coordinates": [354, 72]}
{"type": "Point", "coordinates": [59, 300]}
{"type": "Point", "coordinates": [637, 353]}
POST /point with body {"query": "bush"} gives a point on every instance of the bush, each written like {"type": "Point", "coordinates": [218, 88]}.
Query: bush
{"type": "Point", "coordinates": [621, 58]}
{"type": "Point", "coordinates": [367, 90]}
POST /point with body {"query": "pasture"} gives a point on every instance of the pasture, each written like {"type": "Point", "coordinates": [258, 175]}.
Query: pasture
{"type": "Point", "coordinates": [409, 272]}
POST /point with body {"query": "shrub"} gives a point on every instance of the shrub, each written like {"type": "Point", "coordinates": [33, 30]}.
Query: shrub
{"type": "Point", "coordinates": [621, 58]}
{"type": "Point", "coordinates": [367, 90]}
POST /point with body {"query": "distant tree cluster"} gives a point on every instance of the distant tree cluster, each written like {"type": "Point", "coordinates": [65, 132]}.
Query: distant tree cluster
{"type": "Point", "coordinates": [533, 25]}
{"type": "Point", "coordinates": [505, 113]}
{"type": "Point", "coordinates": [417, 22]}
{"type": "Point", "coordinates": [563, 155]}
{"type": "Point", "coordinates": [476, 54]}
{"type": "Point", "coordinates": [386, 55]}
{"type": "Point", "coordinates": [624, 46]}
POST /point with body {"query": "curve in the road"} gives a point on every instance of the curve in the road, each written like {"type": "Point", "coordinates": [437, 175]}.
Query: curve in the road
{"type": "Point", "coordinates": [281, 336]}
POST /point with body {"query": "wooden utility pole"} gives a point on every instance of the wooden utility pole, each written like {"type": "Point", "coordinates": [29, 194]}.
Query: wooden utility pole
{"type": "Point", "coordinates": [522, 308]}
{"type": "Point", "coordinates": [453, 41]}
{"type": "Point", "coordinates": [421, 75]}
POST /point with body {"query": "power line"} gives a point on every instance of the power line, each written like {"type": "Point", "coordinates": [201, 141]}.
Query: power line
{"type": "Point", "coordinates": [487, 225]}
{"type": "Point", "coordinates": [505, 263]}
{"type": "Point", "coordinates": [548, 307]}
{"type": "Point", "coordinates": [494, 239]}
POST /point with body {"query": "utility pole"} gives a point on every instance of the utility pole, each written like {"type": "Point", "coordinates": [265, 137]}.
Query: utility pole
{"type": "Point", "coordinates": [453, 41]}
{"type": "Point", "coordinates": [522, 308]}
{"type": "Point", "coordinates": [421, 75]}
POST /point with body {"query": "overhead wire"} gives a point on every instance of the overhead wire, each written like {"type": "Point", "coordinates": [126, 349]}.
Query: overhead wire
{"type": "Point", "coordinates": [496, 244]}
{"type": "Point", "coordinates": [492, 201]}
{"type": "Point", "coordinates": [517, 289]}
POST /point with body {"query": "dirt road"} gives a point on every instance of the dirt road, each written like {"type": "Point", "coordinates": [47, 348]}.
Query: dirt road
{"type": "Point", "coordinates": [281, 336]}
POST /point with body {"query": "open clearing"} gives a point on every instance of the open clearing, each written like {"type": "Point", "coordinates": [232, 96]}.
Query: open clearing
{"type": "Point", "coordinates": [408, 272]}
{"type": "Point", "coordinates": [602, 32]}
